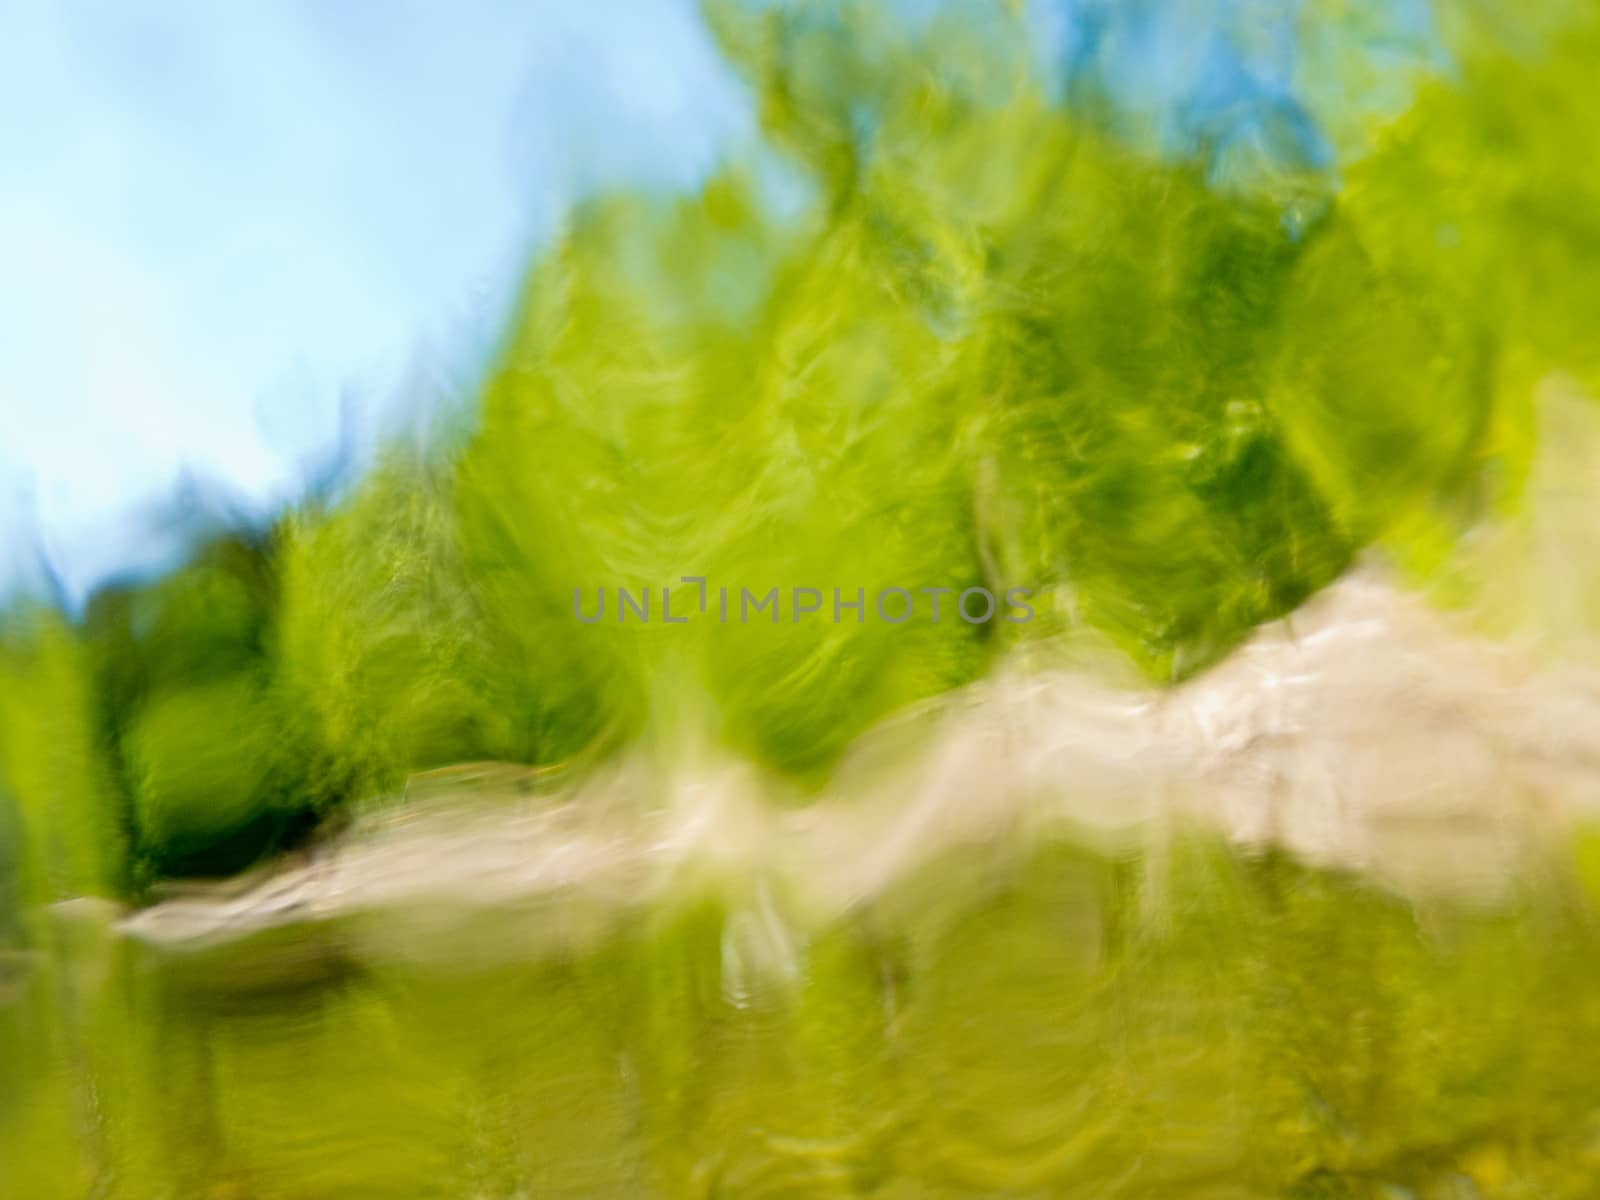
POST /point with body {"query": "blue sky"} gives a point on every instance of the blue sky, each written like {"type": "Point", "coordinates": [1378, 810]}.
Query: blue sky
{"type": "Point", "coordinates": [219, 220]}
{"type": "Point", "coordinates": [226, 225]}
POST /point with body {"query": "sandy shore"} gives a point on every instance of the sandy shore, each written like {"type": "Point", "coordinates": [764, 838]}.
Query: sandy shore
{"type": "Point", "coordinates": [1367, 733]}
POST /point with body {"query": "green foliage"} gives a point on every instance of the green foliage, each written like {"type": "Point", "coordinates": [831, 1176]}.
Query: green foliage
{"type": "Point", "coordinates": [62, 828]}
{"type": "Point", "coordinates": [204, 755]}
{"type": "Point", "coordinates": [204, 764]}
{"type": "Point", "coordinates": [999, 344]}
{"type": "Point", "coordinates": [1001, 348]}
{"type": "Point", "coordinates": [381, 654]}
{"type": "Point", "coordinates": [637, 434]}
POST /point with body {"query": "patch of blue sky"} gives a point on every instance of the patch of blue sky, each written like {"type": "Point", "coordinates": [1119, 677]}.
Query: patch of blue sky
{"type": "Point", "coordinates": [1243, 86]}
{"type": "Point", "coordinates": [222, 223]}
